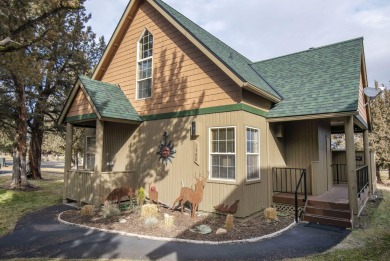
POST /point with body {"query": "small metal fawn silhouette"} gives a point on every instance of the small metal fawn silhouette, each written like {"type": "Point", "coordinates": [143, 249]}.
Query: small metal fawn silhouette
{"type": "Point", "coordinates": [192, 196]}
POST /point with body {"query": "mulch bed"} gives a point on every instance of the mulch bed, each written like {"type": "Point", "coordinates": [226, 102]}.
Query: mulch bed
{"type": "Point", "coordinates": [251, 227]}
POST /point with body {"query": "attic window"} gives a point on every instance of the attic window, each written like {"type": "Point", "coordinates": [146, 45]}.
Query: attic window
{"type": "Point", "coordinates": [145, 66]}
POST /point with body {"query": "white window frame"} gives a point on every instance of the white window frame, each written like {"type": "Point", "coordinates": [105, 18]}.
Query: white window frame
{"type": "Point", "coordinates": [227, 153]}
{"type": "Point", "coordinates": [252, 153]}
{"type": "Point", "coordinates": [139, 61]}
{"type": "Point", "coordinates": [89, 152]}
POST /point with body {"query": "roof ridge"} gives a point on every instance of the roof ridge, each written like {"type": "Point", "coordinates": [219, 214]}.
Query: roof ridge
{"type": "Point", "coordinates": [310, 49]}
{"type": "Point", "coordinates": [204, 30]}
{"type": "Point", "coordinates": [90, 79]}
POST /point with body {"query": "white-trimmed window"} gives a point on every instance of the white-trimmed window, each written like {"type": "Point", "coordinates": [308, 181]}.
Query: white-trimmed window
{"type": "Point", "coordinates": [223, 153]}
{"type": "Point", "coordinates": [145, 65]}
{"type": "Point", "coordinates": [90, 150]}
{"type": "Point", "coordinates": [252, 154]}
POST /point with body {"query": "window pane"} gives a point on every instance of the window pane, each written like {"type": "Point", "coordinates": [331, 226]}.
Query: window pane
{"type": "Point", "coordinates": [231, 162]}
{"type": "Point", "coordinates": [222, 134]}
{"type": "Point", "coordinates": [230, 146]}
{"type": "Point", "coordinates": [214, 147]}
{"type": "Point", "coordinates": [215, 172]}
{"type": "Point", "coordinates": [214, 134]}
{"type": "Point", "coordinates": [231, 173]}
{"type": "Point", "coordinates": [222, 146]}
{"type": "Point", "coordinates": [230, 134]}
{"type": "Point", "coordinates": [223, 174]}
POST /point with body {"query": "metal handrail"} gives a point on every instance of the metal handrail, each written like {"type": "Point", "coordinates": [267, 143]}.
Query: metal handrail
{"type": "Point", "coordinates": [303, 175]}
{"type": "Point", "coordinates": [282, 185]}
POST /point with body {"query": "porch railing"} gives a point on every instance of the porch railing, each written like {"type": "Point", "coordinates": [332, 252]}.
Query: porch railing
{"type": "Point", "coordinates": [339, 173]}
{"type": "Point", "coordinates": [290, 180]}
{"type": "Point", "coordinates": [362, 179]}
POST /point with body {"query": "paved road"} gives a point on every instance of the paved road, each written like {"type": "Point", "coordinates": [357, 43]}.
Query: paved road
{"type": "Point", "coordinates": [40, 235]}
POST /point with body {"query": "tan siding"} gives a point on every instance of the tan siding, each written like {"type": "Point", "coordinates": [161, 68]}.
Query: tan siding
{"type": "Point", "coordinates": [302, 145]}
{"type": "Point", "coordinates": [362, 108]}
{"type": "Point", "coordinates": [183, 77]}
{"type": "Point", "coordinates": [80, 105]}
{"type": "Point", "coordinates": [135, 148]}
{"type": "Point", "coordinates": [339, 157]}
{"type": "Point", "coordinates": [255, 100]}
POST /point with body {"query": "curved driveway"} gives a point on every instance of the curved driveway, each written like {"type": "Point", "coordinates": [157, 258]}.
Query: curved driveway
{"type": "Point", "coordinates": [41, 235]}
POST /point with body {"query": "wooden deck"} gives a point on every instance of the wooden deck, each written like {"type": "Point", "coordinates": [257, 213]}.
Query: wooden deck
{"type": "Point", "coordinates": [338, 194]}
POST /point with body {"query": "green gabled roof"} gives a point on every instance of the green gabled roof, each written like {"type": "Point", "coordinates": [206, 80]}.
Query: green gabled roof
{"type": "Point", "coordinates": [317, 81]}
{"type": "Point", "coordinates": [236, 62]}
{"type": "Point", "coordinates": [109, 100]}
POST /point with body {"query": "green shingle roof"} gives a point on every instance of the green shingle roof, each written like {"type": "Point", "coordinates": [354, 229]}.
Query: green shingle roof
{"type": "Point", "coordinates": [227, 55]}
{"type": "Point", "coordinates": [316, 81]}
{"type": "Point", "coordinates": [109, 100]}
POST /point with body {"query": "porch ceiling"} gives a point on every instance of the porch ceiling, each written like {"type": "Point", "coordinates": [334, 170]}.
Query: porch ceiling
{"type": "Point", "coordinates": [337, 125]}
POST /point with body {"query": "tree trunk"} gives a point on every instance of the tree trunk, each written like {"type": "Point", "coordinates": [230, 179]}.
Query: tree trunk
{"type": "Point", "coordinates": [388, 172]}
{"type": "Point", "coordinates": [19, 177]}
{"type": "Point", "coordinates": [378, 174]}
{"type": "Point", "coordinates": [36, 151]}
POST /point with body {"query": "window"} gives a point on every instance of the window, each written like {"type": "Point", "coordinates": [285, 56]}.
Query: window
{"type": "Point", "coordinates": [223, 153]}
{"type": "Point", "coordinates": [252, 154]}
{"type": "Point", "coordinates": [145, 65]}
{"type": "Point", "coordinates": [90, 148]}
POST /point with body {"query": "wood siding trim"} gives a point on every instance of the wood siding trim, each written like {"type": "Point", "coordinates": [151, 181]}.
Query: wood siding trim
{"type": "Point", "coordinates": [312, 117]}
{"type": "Point", "coordinates": [210, 110]}
{"type": "Point", "coordinates": [90, 116]}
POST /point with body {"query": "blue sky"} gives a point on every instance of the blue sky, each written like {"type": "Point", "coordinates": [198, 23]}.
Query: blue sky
{"type": "Point", "coordinates": [263, 29]}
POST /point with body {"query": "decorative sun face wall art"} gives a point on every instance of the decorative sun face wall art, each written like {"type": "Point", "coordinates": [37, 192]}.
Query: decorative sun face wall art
{"type": "Point", "coordinates": [166, 150]}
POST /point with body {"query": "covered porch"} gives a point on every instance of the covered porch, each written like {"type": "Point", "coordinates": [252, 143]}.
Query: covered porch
{"type": "Point", "coordinates": [107, 120]}
{"type": "Point", "coordinates": [328, 192]}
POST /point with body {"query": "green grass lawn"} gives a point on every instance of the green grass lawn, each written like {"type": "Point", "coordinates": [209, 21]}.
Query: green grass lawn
{"type": "Point", "coordinates": [15, 204]}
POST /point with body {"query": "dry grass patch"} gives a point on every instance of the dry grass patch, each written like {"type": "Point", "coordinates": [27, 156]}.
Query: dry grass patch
{"type": "Point", "coordinates": [15, 204]}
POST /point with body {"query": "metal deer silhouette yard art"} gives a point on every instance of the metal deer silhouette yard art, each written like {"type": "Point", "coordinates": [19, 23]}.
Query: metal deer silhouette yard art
{"type": "Point", "coordinates": [192, 196]}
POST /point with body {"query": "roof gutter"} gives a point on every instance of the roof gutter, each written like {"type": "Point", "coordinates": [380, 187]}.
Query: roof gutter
{"type": "Point", "coordinates": [250, 87]}
{"type": "Point", "coordinates": [313, 116]}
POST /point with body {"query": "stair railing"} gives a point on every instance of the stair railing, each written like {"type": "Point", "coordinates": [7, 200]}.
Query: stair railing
{"type": "Point", "coordinates": [303, 176]}
{"type": "Point", "coordinates": [284, 179]}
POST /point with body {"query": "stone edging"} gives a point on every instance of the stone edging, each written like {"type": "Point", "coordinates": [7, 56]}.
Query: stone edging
{"type": "Point", "coordinates": [168, 239]}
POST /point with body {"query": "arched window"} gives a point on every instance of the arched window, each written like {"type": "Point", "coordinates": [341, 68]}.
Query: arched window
{"type": "Point", "coordinates": [145, 65]}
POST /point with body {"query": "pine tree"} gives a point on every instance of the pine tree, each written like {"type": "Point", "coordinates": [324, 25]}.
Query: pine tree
{"type": "Point", "coordinates": [380, 135]}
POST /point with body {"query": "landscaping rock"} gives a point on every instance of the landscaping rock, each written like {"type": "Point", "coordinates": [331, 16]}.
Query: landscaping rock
{"type": "Point", "coordinates": [221, 231]}
{"type": "Point", "coordinates": [122, 220]}
{"type": "Point", "coordinates": [202, 229]}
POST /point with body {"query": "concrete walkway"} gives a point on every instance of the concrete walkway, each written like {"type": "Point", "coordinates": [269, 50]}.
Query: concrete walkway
{"type": "Point", "coordinates": [41, 235]}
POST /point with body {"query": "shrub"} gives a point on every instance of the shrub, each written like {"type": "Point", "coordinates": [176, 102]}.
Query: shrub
{"type": "Point", "coordinates": [141, 196]}
{"type": "Point", "coordinates": [229, 222]}
{"type": "Point", "coordinates": [149, 210]}
{"type": "Point", "coordinates": [110, 210]}
{"type": "Point", "coordinates": [86, 210]}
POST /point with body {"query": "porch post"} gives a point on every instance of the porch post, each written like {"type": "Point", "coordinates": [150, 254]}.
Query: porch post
{"type": "Point", "coordinates": [98, 162]}
{"type": "Point", "coordinates": [68, 158]}
{"type": "Point", "coordinates": [351, 166]}
{"type": "Point", "coordinates": [367, 159]}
